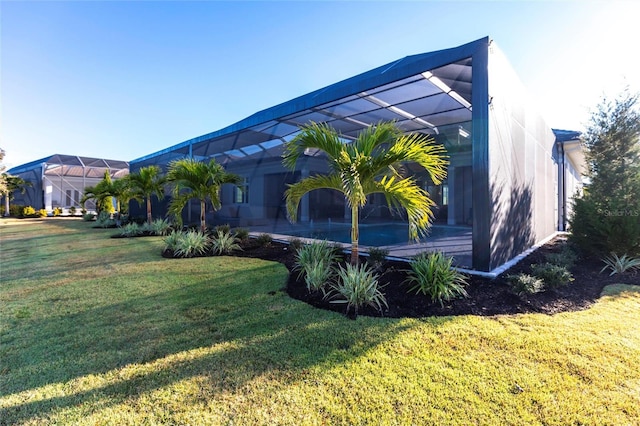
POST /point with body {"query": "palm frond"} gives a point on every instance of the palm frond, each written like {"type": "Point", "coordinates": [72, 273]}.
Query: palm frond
{"type": "Point", "coordinates": [313, 136]}
{"type": "Point", "coordinates": [296, 191]}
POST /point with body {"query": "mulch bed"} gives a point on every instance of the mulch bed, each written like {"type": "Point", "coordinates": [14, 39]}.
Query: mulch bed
{"type": "Point", "coordinates": [486, 297]}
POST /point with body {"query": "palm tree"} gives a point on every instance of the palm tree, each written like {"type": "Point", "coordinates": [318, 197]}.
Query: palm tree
{"type": "Point", "coordinates": [370, 164]}
{"type": "Point", "coordinates": [144, 183]}
{"type": "Point", "coordinates": [105, 190]}
{"type": "Point", "coordinates": [11, 184]}
{"type": "Point", "coordinates": [195, 179]}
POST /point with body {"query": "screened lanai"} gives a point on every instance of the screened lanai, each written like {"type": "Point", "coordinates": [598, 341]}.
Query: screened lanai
{"type": "Point", "coordinates": [501, 174]}
{"type": "Point", "coordinates": [59, 180]}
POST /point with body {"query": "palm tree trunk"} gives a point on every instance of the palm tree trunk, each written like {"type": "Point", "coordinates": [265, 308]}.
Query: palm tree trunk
{"type": "Point", "coordinates": [6, 205]}
{"type": "Point", "coordinates": [354, 235]}
{"type": "Point", "coordinates": [149, 218]}
{"type": "Point", "coordinates": [203, 223]}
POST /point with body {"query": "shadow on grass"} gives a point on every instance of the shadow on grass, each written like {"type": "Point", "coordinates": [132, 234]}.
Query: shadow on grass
{"type": "Point", "coordinates": [243, 322]}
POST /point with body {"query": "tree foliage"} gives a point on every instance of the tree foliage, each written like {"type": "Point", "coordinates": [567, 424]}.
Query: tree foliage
{"type": "Point", "coordinates": [370, 164]}
{"type": "Point", "coordinates": [196, 179]}
{"type": "Point", "coordinates": [145, 183]}
{"type": "Point", "coordinates": [607, 217]}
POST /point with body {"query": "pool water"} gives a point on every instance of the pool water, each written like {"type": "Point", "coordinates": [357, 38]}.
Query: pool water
{"type": "Point", "coordinates": [375, 235]}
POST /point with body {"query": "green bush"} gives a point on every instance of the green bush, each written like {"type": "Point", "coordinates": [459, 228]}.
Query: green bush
{"type": "Point", "coordinates": [104, 220]}
{"type": "Point", "coordinates": [159, 227]}
{"type": "Point", "coordinates": [315, 262]}
{"type": "Point", "coordinates": [171, 240]}
{"type": "Point", "coordinates": [192, 243]}
{"type": "Point", "coordinates": [16, 210]}
{"type": "Point", "coordinates": [72, 210]}
{"type": "Point", "coordinates": [432, 274]}
{"type": "Point", "coordinates": [554, 276]}
{"type": "Point", "coordinates": [525, 284]}
{"type": "Point", "coordinates": [620, 265]}
{"type": "Point", "coordinates": [224, 242]}
{"type": "Point", "coordinates": [28, 211]}
{"type": "Point", "coordinates": [130, 230]}
{"type": "Point", "coordinates": [377, 257]}
{"type": "Point", "coordinates": [357, 286]}
{"type": "Point", "coordinates": [88, 217]}
{"type": "Point", "coordinates": [241, 233]}
{"type": "Point", "coordinates": [565, 257]}
{"type": "Point", "coordinates": [295, 244]}
{"type": "Point", "coordinates": [226, 228]}
{"type": "Point", "coordinates": [264, 239]}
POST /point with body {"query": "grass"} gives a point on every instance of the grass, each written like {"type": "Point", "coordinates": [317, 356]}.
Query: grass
{"type": "Point", "coordinates": [95, 330]}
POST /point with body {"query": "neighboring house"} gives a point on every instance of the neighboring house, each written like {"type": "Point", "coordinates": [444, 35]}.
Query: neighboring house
{"type": "Point", "coordinates": [510, 177]}
{"type": "Point", "coordinates": [59, 180]}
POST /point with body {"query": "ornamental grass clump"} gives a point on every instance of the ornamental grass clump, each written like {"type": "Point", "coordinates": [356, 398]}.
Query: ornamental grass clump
{"type": "Point", "coordinates": [357, 286]}
{"type": "Point", "coordinates": [224, 242]}
{"type": "Point", "coordinates": [192, 243]}
{"type": "Point", "coordinates": [160, 227]}
{"type": "Point", "coordinates": [316, 262]}
{"type": "Point", "coordinates": [130, 230]}
{"type": "Point", "coordinates": [432, 274]}
{"type": "Point", "coordinates": [620, 265]}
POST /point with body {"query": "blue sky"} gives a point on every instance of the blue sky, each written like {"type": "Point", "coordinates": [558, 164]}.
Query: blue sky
{"type": "Point", "coordinates": [121, 80]}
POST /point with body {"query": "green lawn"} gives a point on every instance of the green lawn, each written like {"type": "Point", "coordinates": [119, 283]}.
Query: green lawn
{"type": "Point", "coordinates": [96, 330]}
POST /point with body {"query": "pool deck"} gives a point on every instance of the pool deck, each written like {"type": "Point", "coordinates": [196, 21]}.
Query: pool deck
{"type": "Point", "coordinates": [459, 246]}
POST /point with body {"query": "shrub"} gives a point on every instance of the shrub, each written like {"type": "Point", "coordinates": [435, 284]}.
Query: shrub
{"type": "Point", "coordinates": [88, 217]}
{"type": "Point", "coordinates": [224, 243]}
{"type": "Point", "coordinates": [377, 257]}
{"type": "Point", "coordinates": [358, 286]}
{"type": "Point", "coordinates": [226, 228]}
{"type": "Point", "coordinates": [565, 257]}
{"type": "Point", "coordinates": [432, 274]}
{"type": "Point", "coordinates": [16, 210]}
{"type": "Point", "coordinates": [104, 220]}
{"type": "Point", "coordinates": [620, 265]}
{"type": "Point", "coordinates": [28, 211]}
{"type": "Point", "coordinates": [171, 240]}
{"type": "Point", "coordinates": [72, 210]}
{"type": "Point", "coordinates": [192, 243]}
{"type": "Point", "coordinates": [159, 227]}
{"type": "Point", "coordinates": [525, 284]}
{"type": "Point", "coordinates": [553, 275]}
{"type": "Point", "coordinates": [241, 233]}
{"type": "Point", "coordinates": [295, 243]}
{"type": "Point", "coordinates": [130, 230]}
{"type": "Point", "coordinates": [57, 211]}
{"type": "Point", "coordinates": [41, 213]}
{"type": "Point", "coordinates": [315, 262]}
{"type": "Point", "coordinates": [264, 239]}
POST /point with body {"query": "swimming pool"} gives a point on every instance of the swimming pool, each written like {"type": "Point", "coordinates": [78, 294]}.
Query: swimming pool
{"type": "Point", "coordinates": [386, 234]}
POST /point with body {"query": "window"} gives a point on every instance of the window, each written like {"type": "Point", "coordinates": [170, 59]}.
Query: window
{"type": "Point", "coordinates": [242, 192]}
{"type": "Point", "coordinates": [68, 200]}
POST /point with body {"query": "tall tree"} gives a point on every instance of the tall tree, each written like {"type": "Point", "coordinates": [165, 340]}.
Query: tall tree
{"type": "Point", "coordinates": [195, 179]}
{"type": "Point", "coordinates": [607, 217]}
{"type": "Point", "coordinates": [370, 164]}
{"type": "Point", "coordinates": [145, 183]}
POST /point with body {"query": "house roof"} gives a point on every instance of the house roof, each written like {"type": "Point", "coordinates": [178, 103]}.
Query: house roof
{"type": "Point", "coordinates": [73, 165]}
{"type": "Point", "coordinates": [428, 93]}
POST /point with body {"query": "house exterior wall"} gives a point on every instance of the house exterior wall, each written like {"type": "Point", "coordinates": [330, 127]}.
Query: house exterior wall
{"type": "Point", "coordinates": [523, 178]}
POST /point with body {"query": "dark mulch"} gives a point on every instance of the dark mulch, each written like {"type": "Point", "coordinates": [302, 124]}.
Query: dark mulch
{"type": "Point", "coordinates": [486, 297]}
